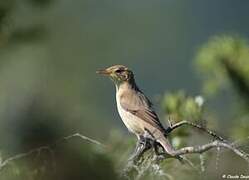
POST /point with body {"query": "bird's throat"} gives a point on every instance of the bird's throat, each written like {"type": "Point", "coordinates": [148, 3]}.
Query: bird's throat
{"type": "Point", "coordinates": [126, 85]}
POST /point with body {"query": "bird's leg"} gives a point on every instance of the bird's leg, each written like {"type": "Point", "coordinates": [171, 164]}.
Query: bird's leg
{"type": "Point", "coordinates": [155, 147]}
{"type": "Point", "coordinates": [140, 143]}
{"type": "Point", "coordinates": [142, 146]}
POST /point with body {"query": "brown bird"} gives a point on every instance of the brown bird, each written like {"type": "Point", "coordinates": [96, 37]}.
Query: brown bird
{"type": "Point", "coordinates": [134, 108]}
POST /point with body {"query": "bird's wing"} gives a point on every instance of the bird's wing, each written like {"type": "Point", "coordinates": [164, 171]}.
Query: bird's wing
{"type": "Point", "coordinates": [139, 105]}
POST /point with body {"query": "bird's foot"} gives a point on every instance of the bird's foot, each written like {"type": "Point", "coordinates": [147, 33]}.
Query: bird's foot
{"type": "Point", "coordinates": [142, 146]}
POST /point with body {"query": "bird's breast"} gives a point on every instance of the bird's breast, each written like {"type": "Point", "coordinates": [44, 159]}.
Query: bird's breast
{"type": "Point", "coordinates": [130, 120]}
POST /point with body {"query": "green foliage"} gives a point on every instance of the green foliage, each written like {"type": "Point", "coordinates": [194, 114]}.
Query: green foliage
{"type": "Point", "coordinates": [224, 60]}
{"type": "Point", "coordinates": [179, 106]}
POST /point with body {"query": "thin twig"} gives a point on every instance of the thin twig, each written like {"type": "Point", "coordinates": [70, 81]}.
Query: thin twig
{"type": "Point", "coordinates": [7, 161]}
{"type": "Point", "coordinates": [82, 137]}
{"type": "Point", "coordinates": [22, 155]}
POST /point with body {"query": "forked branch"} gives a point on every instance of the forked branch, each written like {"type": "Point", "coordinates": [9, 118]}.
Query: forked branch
{"type": "Point", "coordinates": [219, 142]}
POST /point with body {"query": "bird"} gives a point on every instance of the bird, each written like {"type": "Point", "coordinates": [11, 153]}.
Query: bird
{"type": "Point", "coordinates": [134, 108]}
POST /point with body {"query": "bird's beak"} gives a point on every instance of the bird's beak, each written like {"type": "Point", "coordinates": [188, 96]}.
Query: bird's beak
{"type": "Point", "coordinates": [103, 72]}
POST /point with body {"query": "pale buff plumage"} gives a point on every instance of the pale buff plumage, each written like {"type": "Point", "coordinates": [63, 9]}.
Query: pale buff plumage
{"type": "Point", "coordinates": [134, 107]}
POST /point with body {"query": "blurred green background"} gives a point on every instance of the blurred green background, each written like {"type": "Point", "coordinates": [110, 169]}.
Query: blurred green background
{"type": "Point", "coordinates": [50, 50]}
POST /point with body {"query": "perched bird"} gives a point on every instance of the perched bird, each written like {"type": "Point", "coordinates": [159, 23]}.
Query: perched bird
{"type": "Point", "coordinates": [134, 107]}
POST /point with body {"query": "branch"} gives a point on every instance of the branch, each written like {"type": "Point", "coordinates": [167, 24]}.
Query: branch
{"type": "Point", "coordinates": [203, 148]}
{"type": "Point", "coordinates": [152, 159]}
{"type": "Point", "coordinates": [22, 155]}
{"type": "Point", "coordinates": [90, 140]}
{"type": "Point", "coordinates": [7, 161]}
{"type": "Point", "coordinates": [220, 142]}
{"type": "Point", "coordinates": [184, 122]}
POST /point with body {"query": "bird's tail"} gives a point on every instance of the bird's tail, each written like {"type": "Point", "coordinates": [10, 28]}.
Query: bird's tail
{"type": "Point", "coordinates": [160, 137]}
{"type": "Point", "coordinates": [167, 146]}
{"type": "Point", "coordinates": [169, 149]}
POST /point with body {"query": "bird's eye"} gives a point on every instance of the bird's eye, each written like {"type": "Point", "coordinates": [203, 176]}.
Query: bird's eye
{"type": "Point", "coordinates": [118, 71]}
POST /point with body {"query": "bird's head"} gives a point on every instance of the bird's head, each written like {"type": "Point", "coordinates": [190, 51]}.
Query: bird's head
{"type": "Point", "coordinates": [118, 73]}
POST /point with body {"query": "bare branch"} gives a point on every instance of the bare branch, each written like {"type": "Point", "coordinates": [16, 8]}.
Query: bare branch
{"type": "Point", "coordinates": [22, 155]}
{"type": "Point", "coordinates": [184, 122]}
{"type": "Point", "coordinates": [203, 148]}
{"type": "Point", "coordinates": [144, 164]}
{"type": "Point", "coordinates": [81, 137]}
{"type": "Point", "coordinates": [137, 161]}
{"type": "Point", "coordinates": [7, 161]}
{"type": "Point", "coordinates": [219, 143]}
{"type": "Point", "coordinates": [200, 149]}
